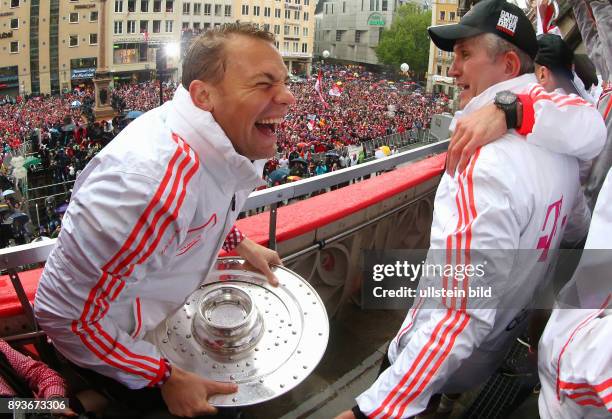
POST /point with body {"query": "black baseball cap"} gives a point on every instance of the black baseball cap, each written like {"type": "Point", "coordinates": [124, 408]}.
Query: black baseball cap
{"type": "Point", "coordinates": [555, 54]}
{"type": "Point", "coordinates": [499, 17]}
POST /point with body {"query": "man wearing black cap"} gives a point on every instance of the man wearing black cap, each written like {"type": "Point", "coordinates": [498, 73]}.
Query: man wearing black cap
{"type": "Point", "coordinates": [553, 64]}
{"type": "Point", "coordinates": [513, 195]}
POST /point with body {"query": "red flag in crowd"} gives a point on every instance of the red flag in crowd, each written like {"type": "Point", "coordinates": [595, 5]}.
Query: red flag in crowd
{"type": "Point", "coordinates": [319, 87]}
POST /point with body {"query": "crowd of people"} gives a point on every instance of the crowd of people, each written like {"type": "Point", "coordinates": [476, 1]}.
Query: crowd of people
{"type": "Point", "coordinates": [355, 106]}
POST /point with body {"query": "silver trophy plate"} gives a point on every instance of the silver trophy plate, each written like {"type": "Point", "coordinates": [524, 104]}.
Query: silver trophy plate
{"type": "Point", "coordinates": [238, 328]}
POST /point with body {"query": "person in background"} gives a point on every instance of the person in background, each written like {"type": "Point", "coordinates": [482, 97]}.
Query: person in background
{"type": "Point", "coordinates": [21, 376]}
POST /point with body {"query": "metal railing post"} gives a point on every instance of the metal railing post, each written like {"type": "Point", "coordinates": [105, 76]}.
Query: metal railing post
{"type": "Point", "coordinates": [272, 228]}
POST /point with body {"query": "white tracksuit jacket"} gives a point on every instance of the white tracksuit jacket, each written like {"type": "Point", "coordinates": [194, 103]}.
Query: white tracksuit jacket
{"type": "Point", "coordinates": [147, 219]}
{"type": "Point", "coordinates": [574, 354]}
{"type": "Point", "coordinates": [513, 195]}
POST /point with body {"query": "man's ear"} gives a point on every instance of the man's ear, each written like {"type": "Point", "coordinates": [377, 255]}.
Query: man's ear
{"type": "Point", "coordinates": [513, 64]}
{"type": "Point", "coordinates": [201, 95]}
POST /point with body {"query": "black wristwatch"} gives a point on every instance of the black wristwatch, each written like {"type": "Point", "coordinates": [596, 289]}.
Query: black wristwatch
{"type": "Point", "coordinates": [508, 102]}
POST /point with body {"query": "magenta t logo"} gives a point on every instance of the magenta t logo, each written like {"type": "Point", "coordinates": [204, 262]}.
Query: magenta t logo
{"type": "Point", "coordinates": [544, 242]}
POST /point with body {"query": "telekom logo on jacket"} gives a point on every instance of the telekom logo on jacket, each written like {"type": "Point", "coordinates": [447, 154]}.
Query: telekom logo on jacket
{"type": "Point", "coordinates": [545, 241]}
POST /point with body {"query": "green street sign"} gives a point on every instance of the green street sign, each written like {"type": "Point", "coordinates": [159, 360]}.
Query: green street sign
{"type": "Point", "coordinates": [376, 19]}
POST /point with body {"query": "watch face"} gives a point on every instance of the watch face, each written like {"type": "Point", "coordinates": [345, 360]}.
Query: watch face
{"type": "Point", "coordinates": [505, 98]}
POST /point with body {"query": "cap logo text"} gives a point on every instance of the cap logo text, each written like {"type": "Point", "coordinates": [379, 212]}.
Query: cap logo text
{"type": "Point", "coordinates": [507, 22]}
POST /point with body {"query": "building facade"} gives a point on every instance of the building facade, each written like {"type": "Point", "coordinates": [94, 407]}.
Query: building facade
{"type": "Point", "coordinates": [291, 21]}
{"type": "Point", "coordinates": [138, 30]}
{"type": "Point", "coordinates": [50, 46]}
{"type": "Point", "coordinates": [444, 12]}
{"type": "Point", "coordinates": [351, 29]}
{"type": "Point", "coordinates": [47, 46]}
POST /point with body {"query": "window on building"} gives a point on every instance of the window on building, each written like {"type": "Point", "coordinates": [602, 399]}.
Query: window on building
{"type": "Point", "coordinates": [304, 48]}
{"type": "Point", "coordinates": [156, 26]}
{"type": "Point", "coordinates": [245, 9]}
{"type": "Point", "coordinates": [277, 29]}
{"type": "Point", "coordinates": [197, 9]}
{"type": "Point", "coordinates": [228, 10]}
{"type": "Point", "coordinates": [14, 3]}
{"type": "Point", "coordinates": [186, 8]}
{"type": "Point", "coordinates": [267, 11]}
{"type": "Point", "coordinates": [206, 26]}
{"type": "Point", "coordinates": [93, 39]}
{"type": "Point", "coordinates": [277, 13]}
{"type": "Point", "coordinates": [118, 27]}
{"type": "Point", "coordinates": [156, 6]}
{"type": "Point", "coordinates": [217, 10]}
{"type": "Point", "coordinates": [306, 2]}
{"type": "Point", "coordinates": [326, 10]}
{"type": "Point", "coordinates": [74, 17]}
{"type": "Point", "coordinates": [372, 5]}
{"type": "Point", "coordinates": [256, 10]}
{"type": "Point", "coordinates": [296, 45]}
{"type": "Point", "coordinates": [339, 36]}
{"type": "Point", "coordinates": [14, 46]}
{"type": "Point", "coordinates": [144, 26]}
{"type": "Point", "coordinates": [196, 26]}
{"type": "Point", "coordinates": [208, 8]}
{"type": "Point", "coordinates": [332, 8]}
{"type": "Point", "coordinates": [297, 1]}
{"type": "Point", "coordinates": [304, 31]}
{"type": "Point", "coordinates": [296, 15]}
{"type": "Point", "coordinates": [385, 5]}
{"type": "Point", "coordinates": [276, 44]}
{"type": "Point", "coordinates": [377, 4]}
{"type": "Point", "coordinates": [442, 15]}
{"type": "Point", "coordinates": [131, 6]}
{"type": "Point", "coordinates": [305, 15]}
{"type": "Point", "coordinates": [439, 70]}
{"type": "Point", "coordinates": [357, 37]}
{"type": "Point", "coordinates": [266, 27]}
{"type": "Point", "coordinates": [296, 31]}
{"type": "Point", "coordinates": [131, 26]}
{"type": "Point", "coordinates": [14, 23]}
{"type": "Point", "coordinates": [286, 30]}
{"type": "Point", "coordinates": [343, 7]}
{"type": "Point", "coordinates": [287, 14]}
{"type": "Point", "coordinates": [362, 5]}
{"type": "Point", "coordinates": [93, 16]}
{"type": "Point", "coordinates": [74, 40]}
{"type": "Point", "coordinates": [144, 6]}
{"type": "Point", "coordinates": [169, 25]}
{"type": "Point", "coordinates": [440, 52]}
{"type": "Point", "coordinates": [286, 46]}
{"type": "Point", "coordinates": [185, 26]}
{"type": "Point", "coordinates": [169, 6]}
{"type": "Point", "coordinates": [451, 16]}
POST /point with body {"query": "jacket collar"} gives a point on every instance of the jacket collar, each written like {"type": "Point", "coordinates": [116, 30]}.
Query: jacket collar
{"type": "Point", "coordinates": [516, 85]}
{"type": "Point", "coordinates": [214, 149]}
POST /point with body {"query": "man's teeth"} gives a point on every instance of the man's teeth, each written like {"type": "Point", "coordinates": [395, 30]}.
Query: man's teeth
{"type": "Point", "coordinates": [270, 121]}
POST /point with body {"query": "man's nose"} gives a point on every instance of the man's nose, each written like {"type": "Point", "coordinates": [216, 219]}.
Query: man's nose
{"type": "Point", "coordinates": [284, 96]}
{"type": "Point", "coordinates": [453, 71]}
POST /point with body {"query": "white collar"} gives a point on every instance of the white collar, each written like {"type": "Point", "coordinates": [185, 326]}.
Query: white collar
{"type": "Point", "coordinates": [516, 85]}
{"type": "Point", "coordinates": [215, 150]}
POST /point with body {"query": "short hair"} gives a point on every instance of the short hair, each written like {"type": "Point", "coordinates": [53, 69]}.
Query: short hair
{"type": "Point", "coordinates": [497, 46]}
{"type": "Point", "coordinates": [205, 59]}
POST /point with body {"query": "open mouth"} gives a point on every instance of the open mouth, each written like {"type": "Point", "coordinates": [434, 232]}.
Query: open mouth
{"type": "Point", "coordinates": [268, 126]}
